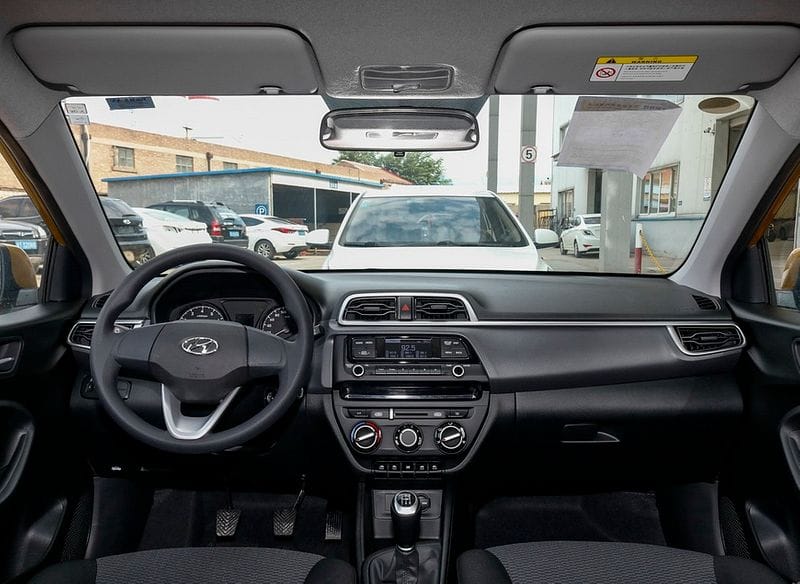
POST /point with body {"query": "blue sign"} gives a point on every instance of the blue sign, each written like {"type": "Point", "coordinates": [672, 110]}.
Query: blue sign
{"type": "Point", "coordinates": [262, 209]}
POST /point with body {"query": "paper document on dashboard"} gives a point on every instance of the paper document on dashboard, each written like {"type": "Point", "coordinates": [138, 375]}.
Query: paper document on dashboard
{"type": "Point", "coordinates": [617, 133]}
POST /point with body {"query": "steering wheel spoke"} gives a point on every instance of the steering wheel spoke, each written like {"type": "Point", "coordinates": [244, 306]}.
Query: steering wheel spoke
{"type": "Point", "coordinates": [185, 427]}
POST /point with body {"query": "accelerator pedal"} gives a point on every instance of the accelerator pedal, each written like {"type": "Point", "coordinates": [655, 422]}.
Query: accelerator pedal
{"type": "Point", "coordinates": [333, 526]}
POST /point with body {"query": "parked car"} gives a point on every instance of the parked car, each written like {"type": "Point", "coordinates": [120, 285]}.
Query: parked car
{"type": "Point", "coordinates": [128, 230]}
{"type": "Point", "coordinates": [432, 227]}
{"type": "Point", "coordinates": [583, 236]}
{"type": "Point", "coordinates": [21, 208]}
{"type": "Point", "coordinates": [271, 236]}
{"type": "Point", "coordinates": [224, 226]}
{"type": "Point", "coordinates": [30, 238]}
{"type": "Point", "coordinates": [167, 231]}
{"type": "Point", "coordinates": [781, 229]}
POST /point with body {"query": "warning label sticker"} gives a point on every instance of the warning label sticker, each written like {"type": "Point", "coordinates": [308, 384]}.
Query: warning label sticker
{"type": "Point", "coordinates": [652, 68]}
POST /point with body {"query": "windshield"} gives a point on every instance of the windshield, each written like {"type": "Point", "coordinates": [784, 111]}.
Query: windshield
{"type": "Point", "coordinates": [641, 171]}
{"type": "Point", "coordinates": [423, 221]}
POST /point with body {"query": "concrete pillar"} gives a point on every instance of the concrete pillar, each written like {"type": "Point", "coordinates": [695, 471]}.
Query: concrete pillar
{"type": "Point", "coordinates": [527, 170]}
{"type": "Point", "coordinates": [615, 222]}
{"type": "Point", "coordinates": [494, 138]}
{"type": "Point", "coordinates": [270, 201]}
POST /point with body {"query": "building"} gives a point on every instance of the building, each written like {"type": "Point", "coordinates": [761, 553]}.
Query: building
{"type": "Point", "coordinates": [673, 199]}
{"type": "Point", "coordinates": [541, 198]}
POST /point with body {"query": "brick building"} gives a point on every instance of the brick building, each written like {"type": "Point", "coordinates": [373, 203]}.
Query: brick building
{"type": "Point", "coordinates": [115, 152]}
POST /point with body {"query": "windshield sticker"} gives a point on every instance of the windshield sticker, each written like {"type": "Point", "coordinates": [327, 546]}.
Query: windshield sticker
{"type": "Point", "coordinates": [617, 133]}
{"type": "Point", "coordinates": [653, 68]}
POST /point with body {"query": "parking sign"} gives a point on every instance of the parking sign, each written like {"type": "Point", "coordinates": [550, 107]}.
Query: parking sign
{"type": "Point", "coordinates": [262, 209]}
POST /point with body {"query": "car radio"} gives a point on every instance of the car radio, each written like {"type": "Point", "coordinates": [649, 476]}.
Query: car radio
{"type": "Point", "coordinates": [404, 348]}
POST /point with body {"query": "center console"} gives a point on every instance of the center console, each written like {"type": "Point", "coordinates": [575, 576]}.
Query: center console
{"type": "Point", "coordinates": [408, 406]}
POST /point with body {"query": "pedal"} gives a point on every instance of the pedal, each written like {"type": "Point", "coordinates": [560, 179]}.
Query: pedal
{"type": "Point", "coordinates": [284, 517]}
{"type": "Point", "coordinates": [227, 522]}
{"type": "Point", "coordinates": [283, 521]}
{"type": "Point", "coordinates": [333, 526]}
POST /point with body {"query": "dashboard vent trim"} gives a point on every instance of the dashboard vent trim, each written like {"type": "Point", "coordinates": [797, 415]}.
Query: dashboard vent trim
{"type": "Point", "coordinates": [80, 335]}
{"type": "Point", "coordinates": [712, 339]}
{"type": "Point", "coordinates": [100, 300]}
{"type": "Point", "coordinates": [371, 309]}
{"type": "Point", "coordinates": [705, 303]}
{"type": "Point", "coordinates": [437, 308]}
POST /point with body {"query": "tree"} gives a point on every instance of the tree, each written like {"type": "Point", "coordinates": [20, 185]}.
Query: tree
{"type": "Point", "coordinates": [418, 167]}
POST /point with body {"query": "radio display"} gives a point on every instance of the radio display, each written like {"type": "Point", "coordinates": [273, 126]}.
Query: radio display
{"type": "Point", "coordinates": [397, 348]}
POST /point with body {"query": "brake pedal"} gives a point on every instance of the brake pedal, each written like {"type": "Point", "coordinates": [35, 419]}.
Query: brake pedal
{"type": "Point", "coordinates": [227, 522]}
{"type": "Point", "coordinates": [333, 526]}
{"type": "Point", "coordinates": [284, 517]}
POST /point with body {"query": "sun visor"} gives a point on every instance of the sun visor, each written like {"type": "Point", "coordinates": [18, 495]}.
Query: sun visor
{"type": "Point", "coordinates": [648, 60]}
{"type": "Point", "coordinates": [136, 60]}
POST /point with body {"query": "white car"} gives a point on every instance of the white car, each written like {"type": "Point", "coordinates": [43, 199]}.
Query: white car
{"type": "Point", "coordinates": [271, 236]}
{"type": "Point", "coordinates": [167, 231]}
{"type": "Point", "coordinates": [413, 227]}
{"type": "Point", "coordinates": [583, 236]}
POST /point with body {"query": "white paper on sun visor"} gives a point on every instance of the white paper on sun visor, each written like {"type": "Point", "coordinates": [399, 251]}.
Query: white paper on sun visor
{"type": "Point", "coordinates": [617, 133]}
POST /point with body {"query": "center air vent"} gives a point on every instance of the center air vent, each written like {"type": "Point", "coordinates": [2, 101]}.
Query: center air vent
{"type": "Point", "coordinates": [702, 340]}
{"type": "Point", "coordinates": [400, 78]}
{"type": "Point", "coordinates": [439, 308]}
{"type": "Point", "coordinates": [371, 308]}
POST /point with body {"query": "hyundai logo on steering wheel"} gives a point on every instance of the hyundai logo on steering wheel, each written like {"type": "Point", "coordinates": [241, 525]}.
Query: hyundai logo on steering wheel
{"type": "Point", "coordinates": [199, 345]}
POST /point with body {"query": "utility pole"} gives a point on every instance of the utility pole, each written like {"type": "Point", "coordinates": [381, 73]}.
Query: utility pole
{"type": "Point", "coordinates": [494, 138]}
{"type": "Point", "coordinates": [527, 170]}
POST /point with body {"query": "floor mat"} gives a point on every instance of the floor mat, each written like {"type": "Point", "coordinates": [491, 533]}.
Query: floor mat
{"type": "Point", "coordinates": [188, 519]}
{"type": "Point", "coordinates": [628, 517]}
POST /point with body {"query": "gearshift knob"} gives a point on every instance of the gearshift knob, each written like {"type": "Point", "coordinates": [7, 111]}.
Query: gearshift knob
{"type": "Point", "coordinates": [406, 512]}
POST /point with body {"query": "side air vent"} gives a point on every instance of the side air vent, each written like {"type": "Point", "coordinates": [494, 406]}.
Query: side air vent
{"type": "Point", "coordinates": [702, 340]}
{"type": "Point", "coordinates": [704, 302]}
{"type": "Point", "coordinates": [100, 301]}
{"type": "Point", "coordinates": [371, 309]}
{"type": "Point", "coordinates": [81, 334]}
{"type": "Point", "coordinates": [401, 78]}
{"type": "Point", "coordinates": [439, 308]}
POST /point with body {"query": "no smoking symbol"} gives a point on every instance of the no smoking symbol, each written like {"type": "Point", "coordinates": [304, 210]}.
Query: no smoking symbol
{"type": "Point", "coordinates": [605, 72]}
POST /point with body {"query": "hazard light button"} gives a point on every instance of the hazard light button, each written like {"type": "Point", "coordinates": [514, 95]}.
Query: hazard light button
{"type": "Point", "coordinates": [405, 308]}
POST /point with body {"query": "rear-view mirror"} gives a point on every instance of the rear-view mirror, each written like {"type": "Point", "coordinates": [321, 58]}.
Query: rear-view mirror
{"type": "Point", "coordinates": [545, 238]}
{"type": "Point", "coordinates": [318, 238]}
{"type": "Point", "coordinates": [399, 129]}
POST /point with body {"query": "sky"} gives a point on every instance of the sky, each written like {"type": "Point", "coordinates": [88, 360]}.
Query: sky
{"type": "Point", "coordinates": [289, 126]}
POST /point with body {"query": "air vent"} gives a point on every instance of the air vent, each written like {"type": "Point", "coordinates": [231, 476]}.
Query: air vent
{"type": "Point", "coordinates": [704, 302]}
{"type": "Point", "coordinates": [100, 301]}
{"type": "Point", "coordinates": [700, 340]}
{"type": "Point", "coordinates": [439, 308]}
{"type": "Point", "coordinates": [371, 309]}
{"type": "Point", "coordinates": [402, 78]}
{"type": "Point", "coordinates": [81, 334]}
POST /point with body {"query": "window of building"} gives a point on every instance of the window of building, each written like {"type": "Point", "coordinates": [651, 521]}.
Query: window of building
{"type": "Point", "coordinates": [230, 165]}
{"type": "Point", "coordinates": [124, 158]}
{"type": "Point", "coordinates": [184, 163]}
{"type": "Point", "coordinates": [566, 205]}
{"type": "Point", "coordinates": [659, 191]}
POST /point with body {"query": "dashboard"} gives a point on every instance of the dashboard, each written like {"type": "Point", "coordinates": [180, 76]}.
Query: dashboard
{"type": "Point", "coordinates": [545, 359]}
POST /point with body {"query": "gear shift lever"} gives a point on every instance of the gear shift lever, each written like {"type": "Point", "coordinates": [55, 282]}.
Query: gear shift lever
{"type": "Point", "coordinates": [406, 512]}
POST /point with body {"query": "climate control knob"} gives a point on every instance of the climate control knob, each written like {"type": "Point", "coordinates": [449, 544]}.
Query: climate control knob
{"type": "Point", "coordinates": [365, 436]}
{"type": "Point", "coordinates": [408, 438]}
{"type": "Point", "coordinates": [450, 437]}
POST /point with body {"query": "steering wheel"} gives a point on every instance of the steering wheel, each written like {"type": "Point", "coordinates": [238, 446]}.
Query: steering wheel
{"type": "Point", "coordinates": [200, 362]}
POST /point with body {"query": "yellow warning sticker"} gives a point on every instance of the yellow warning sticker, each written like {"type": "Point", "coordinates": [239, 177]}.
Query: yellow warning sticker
{"type": "Point", "coordinates": [643, 68]}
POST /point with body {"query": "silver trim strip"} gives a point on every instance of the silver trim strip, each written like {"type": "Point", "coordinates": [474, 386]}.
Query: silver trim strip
{"type": "Point", "coordinates": [677, 339]}
{"type": "Point", "coordinates": [470, 312]}
{"type": "Point", "coordinates": [132, 322]}
{"type": "Point", "coordinates": [190, 427]}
